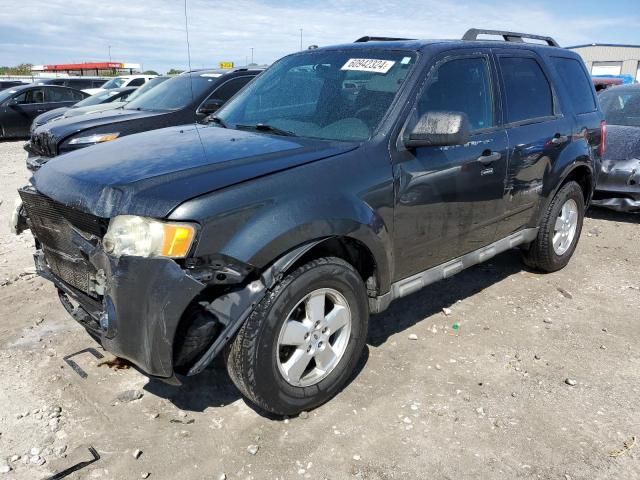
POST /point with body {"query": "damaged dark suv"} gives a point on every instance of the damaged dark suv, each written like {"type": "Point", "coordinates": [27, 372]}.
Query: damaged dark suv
{"type": "Point", "coordinates": [341, 179]}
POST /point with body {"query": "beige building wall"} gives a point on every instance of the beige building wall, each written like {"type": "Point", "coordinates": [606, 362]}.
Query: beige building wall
{"type": "Point", "coordinates": [608, 57]}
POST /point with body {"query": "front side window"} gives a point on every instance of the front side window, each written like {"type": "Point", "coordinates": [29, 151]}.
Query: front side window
{"type": "Point", "coordinates": [228, 89]}
{"type": "Point", "coordinates": [621, 106]}
{"type": "Point", "coordinates": [461, 85]}
{"type": "Point", "coordinates": [527, 90]}
{"type": "Point", "coordinates": [333, 95]}
{"type": "Point", "coordinates": [35, 95]}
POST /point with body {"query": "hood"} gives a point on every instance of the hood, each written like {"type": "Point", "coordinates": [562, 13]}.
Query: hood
{"type": "Point", "coordinates": [48, 116]}
{"type": "Point", "coordinates": [623, 143]}
{"type": "Point", "coordinates": [151, 173]}
{"type": "Point", "coordinates": [102, 107]}
{"type": "Point", "coordinates": [68, 126]}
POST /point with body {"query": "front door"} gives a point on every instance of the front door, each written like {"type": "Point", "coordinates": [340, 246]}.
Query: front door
{"type": "Point", "coordinates": [21, 110]}
{"type": "Point", "coordinates": [449, 199]}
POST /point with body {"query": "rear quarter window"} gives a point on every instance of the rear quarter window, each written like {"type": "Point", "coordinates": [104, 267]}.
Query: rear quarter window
{"type": "Point", "coordinates": [576, 83]}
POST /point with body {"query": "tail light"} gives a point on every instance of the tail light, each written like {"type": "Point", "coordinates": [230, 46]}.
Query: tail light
{"type": "Point", "coordinates": [603, 137]}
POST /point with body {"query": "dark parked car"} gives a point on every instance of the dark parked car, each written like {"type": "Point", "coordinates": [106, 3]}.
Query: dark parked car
{"type": "Point", "coordinates": [20, 105]}
{"type": "Point", "coordinates": [81, 83]}
{"type": "Point", "coordinates": [4, 84]}
{"type": "Point", "coordinates": [109, 96]}
{"type": "Point", "coordinates": [119, 102]}
{"type": "Point", "coordinates": [619, 179]}
{"type": "Point", "coordinates": [341, 179]}
{"type": "Point", "coordinates": [182, 99]}
{"type": "Point", "coordinates": [602, 84]}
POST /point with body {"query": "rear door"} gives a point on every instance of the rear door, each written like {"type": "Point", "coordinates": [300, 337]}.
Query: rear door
{"type": "Point", "coordinates": [449, 199]}
{"type": "Point", "coordinates": [537, 130]}
{"type": "Point", "coordinates": [60, 97]}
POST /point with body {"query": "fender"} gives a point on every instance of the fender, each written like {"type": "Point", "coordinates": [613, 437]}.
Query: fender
{"type": "Point", "coordinates": [254, 233]}
{"type": "Point", "coordinates": [234, 308]}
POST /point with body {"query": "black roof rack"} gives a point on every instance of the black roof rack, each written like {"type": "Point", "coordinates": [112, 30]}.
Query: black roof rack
{"type": "Point", "coordinates": [472, 34]}
{"type": "Point", "coordinates": [379, 39]}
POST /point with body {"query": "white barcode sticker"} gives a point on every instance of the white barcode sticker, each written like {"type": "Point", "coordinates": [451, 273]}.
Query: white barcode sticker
{"type": "Point", "coordinates": [368, 65]}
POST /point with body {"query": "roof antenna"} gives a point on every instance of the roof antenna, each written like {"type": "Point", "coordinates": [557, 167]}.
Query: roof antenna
{"type": "Point", "coordinates": [186, 28]}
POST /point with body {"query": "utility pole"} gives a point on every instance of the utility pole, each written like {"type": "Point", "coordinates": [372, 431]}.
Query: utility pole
{"type": "Point", "coordinates": [251, 55]}
{"type": "Point", "coordinates": [300, 39]}
{"type": "Point", "coordinates": [109, 53]}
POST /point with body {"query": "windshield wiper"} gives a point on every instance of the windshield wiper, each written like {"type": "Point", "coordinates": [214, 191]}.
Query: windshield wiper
{"type": "Point", "coordinates": [263, 127]}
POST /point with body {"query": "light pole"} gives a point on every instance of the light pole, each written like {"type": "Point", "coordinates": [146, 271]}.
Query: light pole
{"type": "Point", "coordinates": [251, 55]}
{"type": "Point", "coordinates": [300, 39]}
{"type": "Point", "coordinates": [109, 53]}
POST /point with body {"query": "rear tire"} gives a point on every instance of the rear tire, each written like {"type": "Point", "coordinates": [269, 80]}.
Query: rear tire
{"type": "Point", "coordinates": [319, 313]}
{"type": "Point", "coordinates": [559, 230]}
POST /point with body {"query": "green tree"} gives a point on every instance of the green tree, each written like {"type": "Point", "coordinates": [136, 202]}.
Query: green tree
{"type": "Point", "coordinates": [22, 69]}
{"type": "Point", "coordinates": [150, 72]}
{"type": "Point", "coordinates": [174, 71]}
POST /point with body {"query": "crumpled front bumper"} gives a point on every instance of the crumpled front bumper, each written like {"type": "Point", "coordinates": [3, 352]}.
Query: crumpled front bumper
{"type": "Point", "coordinates": [619, 185]}
{"type": "Point", "coordinates": [139, 313]}
{"type": "Point", "coordinates": [34, 161]}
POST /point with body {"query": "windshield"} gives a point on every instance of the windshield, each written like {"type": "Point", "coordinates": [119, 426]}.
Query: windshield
{"type": "Point", "coordinates": [114, 83]}
{"type": "Point", "coordinates": [173, 94]}
{"type": "Point", "coordinates": [154, 82]}
{"type": "Point", "coordinates": [621, 106]}
{"type": "Point", "coordinates": [335, 95]}
{"type": "Point", "coordinates": [5, 94]}
{"type": "Point", "coordinates": [95, 99]}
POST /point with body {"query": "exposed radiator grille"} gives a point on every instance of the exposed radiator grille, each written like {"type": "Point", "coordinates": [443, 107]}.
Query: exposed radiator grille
{"type": "Point", "coordinates": [43, 144]}
{"type": "Point", "coordinates": [53, 225]}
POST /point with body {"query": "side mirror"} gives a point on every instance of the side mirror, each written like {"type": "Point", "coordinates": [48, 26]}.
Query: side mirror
{"type": "Point", "coordinates": [12, 102]}
{"type": "Point", "coordinates": [438, 129]}
{"type": "Point", "coordinates": [210, 106]}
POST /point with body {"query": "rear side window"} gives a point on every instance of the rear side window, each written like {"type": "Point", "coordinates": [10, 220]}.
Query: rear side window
{"type": "Point", "coordinates": [136, 82]}
{"type": "Point", "coordinates": [527, 90]}
{"type": "Point", "coordinates": [576, 82]}
{"type": "Point", "coordinates": [80, 84]}
{"type": "Point", "coordinates": [461, 85]}
{"type": "Point", "coordinates": [59, 95]}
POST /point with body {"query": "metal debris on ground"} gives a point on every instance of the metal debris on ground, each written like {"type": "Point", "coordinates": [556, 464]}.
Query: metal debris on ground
{"type": "Point", "coordinates": [565, 293]}
{"type": "Point", "coordinates": [626, 446]}
{"type": "Point", "coordinates": [76, 368]}
{"type": "Point", "coordinates": [76, 467]}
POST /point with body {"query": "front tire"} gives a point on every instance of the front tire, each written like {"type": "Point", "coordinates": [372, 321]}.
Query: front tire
{"type": "Point", "coordinates": [302, 342]}
{"type": "Point", "coordinates": [559, 230]}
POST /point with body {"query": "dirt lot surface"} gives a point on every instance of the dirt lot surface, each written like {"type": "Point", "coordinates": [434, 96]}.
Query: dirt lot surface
{"type": "Point", "coordinates": [541, 380]}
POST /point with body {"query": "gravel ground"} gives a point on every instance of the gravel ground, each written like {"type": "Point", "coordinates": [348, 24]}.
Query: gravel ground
{"type": "Point", "coordinates": [540, 381]}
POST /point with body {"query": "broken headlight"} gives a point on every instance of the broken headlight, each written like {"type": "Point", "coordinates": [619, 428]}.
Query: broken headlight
{"type": "Point", "coordinates": [146, 237]}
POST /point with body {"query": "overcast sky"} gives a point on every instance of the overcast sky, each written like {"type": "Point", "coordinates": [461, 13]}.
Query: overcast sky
{"type": "Point", "coordinates": [152, 32]}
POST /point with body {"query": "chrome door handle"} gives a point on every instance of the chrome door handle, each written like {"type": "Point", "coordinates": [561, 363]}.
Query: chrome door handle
{"type": "Point", "coordinates": [489, 157]}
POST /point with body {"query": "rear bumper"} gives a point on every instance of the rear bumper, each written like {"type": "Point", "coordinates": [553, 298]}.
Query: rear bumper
{"type": "Point", "coordinates": [618, 185]}
{"type": "Point", "coordinates": [139, 313]}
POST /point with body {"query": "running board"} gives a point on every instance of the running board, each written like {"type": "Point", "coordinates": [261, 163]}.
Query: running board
{"type": "Point", "coordinates": [416, 282]}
